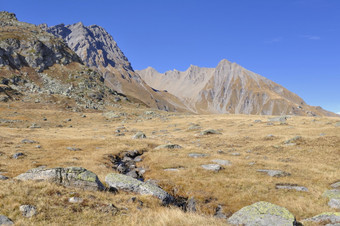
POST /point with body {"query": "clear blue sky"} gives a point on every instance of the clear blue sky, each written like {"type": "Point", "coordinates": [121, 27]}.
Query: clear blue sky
{"type": "Point", "coordinates": [295, 43]}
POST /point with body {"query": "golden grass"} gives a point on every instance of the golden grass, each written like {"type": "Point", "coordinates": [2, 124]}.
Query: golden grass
{"type": "Point", "coordinates": [313, 162]}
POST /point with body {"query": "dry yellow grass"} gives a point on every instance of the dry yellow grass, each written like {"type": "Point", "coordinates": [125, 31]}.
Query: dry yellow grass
{"type": "Point", "coordinates": [313, 162]}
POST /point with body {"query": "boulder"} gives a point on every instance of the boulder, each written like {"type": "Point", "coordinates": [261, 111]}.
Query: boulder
{"type": "Point", "coordinates": [262, 214]}
{"type": "Point", "coordinates": [291, 187]}
{"type": "Point", "coordinates": [139, 135]}
{"type": "Point", "coordinates": [197, 155]}
{"type": "Point", "coordinates": [28, 141]}
{"type": "Point", "coordinates": [28, 210]}
{"type": "Point", "coordinates": [327, 217]}
{"type": "Point", "coordinates": [5, 220]}
{"type": "Point", "coordinates": [168, 146]}
{"type": "Point", "coordinates": [127, 183]}
{"type": "Point", "coordinates": [274, 173]}
{"type": "Point", "coordinates": [212, 167]}
{"type": "Point", "coordinates": [2, 177]}
{"type": "Point", "coordinates": [70, 176]}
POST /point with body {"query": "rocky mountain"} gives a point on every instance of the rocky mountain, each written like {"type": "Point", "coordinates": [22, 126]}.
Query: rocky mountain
{"type": "Point", "coordinates": [36, 64]}
{"type": "Point", "coordinates": [98, 50]}
{"type": "Point", "coordinates": [229, 88]}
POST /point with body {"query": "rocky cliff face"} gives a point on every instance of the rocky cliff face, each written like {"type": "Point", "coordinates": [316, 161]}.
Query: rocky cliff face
{"type": "Point", "coordinates": [98, 50]}
{"type": "Point", "coordinates": [229, 88]}
{"type": "Point", "coordinates": [34, 62]}
{"type": "Point", "coordinates": [23, 44]}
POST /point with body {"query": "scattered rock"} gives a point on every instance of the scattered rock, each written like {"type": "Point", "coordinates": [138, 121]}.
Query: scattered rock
{"type": "Point", "coordinates": [274, 173]}
{"type": "Point", "coordinates": [2, 177]}
{"type": "Point", "coordinates": [172, 169]}
{"type": "Point", "coordinates": [262, 214]}
{"type": "Point", "coordinates": [70, 176]}
{"type": "Point", "coordinates": [38, 146]}
{"type": "Point", "coordinates": [327, 217]}
{"type": "Point", "coordinates": [35, 126]}
{"type": "Point", "coordinates": [291, 187]}
{"type": "Point", "coordinates": [195, 127]}
{"type": "Point", "coordinates": [191, 205]}
{"type": "Point", "coordinates": [281, 119]}
{"type": "Point", "coordinates": [334, 203]}
{"type": "Point", "coordinates": [209, 132]}
{"type": "Point", "coordinates": [197, 155]}
{"type": "Point", "coordinates": [126, 183]}
{"type": "Point", "coordinates": [257, 121]}
{"type": "Point", "coordinates": [235, 154]}
{"type": "Point", "coordinates": [28, 141]}
{"type": "Point", "coordinates": [75, 200]}
{"type": "Point", "coordinates": [139, 135]}
{"type": "Point", "coordinates": [73, 149]}
{"type": "Point", "coordinates": [28, 210]}
{"type": "Point", "coordinates": [293, 140]}
{"type": "Point", "coordinates": [168, 146]}
{"type": "Point", "coordinates": [219, 212]}
{"type": "Point", "coordinates": [18, 155]}
{"type": "Point", "coordinates": [111, 115]}
{"type": "Point", "coordinates": [212, 167]}
{"type": "Point", "coordinates": [5, 220]}
{"type": "Point", "coordinates": [222, 162]}
{"type": "Point", "coordinates": [332, 194]}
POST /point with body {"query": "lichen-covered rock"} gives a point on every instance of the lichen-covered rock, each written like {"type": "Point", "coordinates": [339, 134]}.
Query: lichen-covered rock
{"type": "Point", "coordinates": [5, 220]}
{"type": "Point", "coordinates": [291, 187]}
{"type": "Point", "coordinates": [70, 176]}
{"type": "Point", "coordinates": [127, 183]}
{"type": "Point", "coordinates": [327, 217]}
{"type": "Point", "coordinates": [168, 146]}
{"type": "Point", "coordinates": [332, 194]}
{"type": "Point", "coordinates": [262, 214]}
{"type": "Point", "coordinates": [334, 203]}
{"type": "Point", "coordinates": [212, 167]}
{"type": "Point", "coordinates": [336, 185]}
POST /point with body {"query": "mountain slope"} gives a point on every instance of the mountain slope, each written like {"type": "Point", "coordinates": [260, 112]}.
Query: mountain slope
{"type": "Point", "coordinates": [229, 88]}
{"type": "Point", "coordinates": [98, 50]}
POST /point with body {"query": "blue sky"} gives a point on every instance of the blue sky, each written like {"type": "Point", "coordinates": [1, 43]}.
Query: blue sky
{"type": "Point", "coordinates": [295, 43]}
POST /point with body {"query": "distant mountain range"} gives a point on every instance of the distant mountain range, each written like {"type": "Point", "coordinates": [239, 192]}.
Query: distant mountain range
{"type": "Point", "coordinates": [229, 88]}
{"type": "Point", "coordinates": [58, 54]}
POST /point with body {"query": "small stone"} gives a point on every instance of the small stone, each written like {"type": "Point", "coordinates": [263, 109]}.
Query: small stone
{"type": "Point", "coordinates": [222, 162]}
{"type": "Point", "coordinates": [281, 119]}
{"type": "Point", "coordinates": [75, 200]}
{"type": "Point", "coordinates": [73, 149]}
{"type": "Point", "coordinates": [18, 155]}
{"type": "Point", "coordinates": [35, 126]}
{"type": "Point", "coordinates": [28, 210]}
{"type": "Point", "coordinates": [139, 135]}
{"type": "Point", "coordinates": [168, 146]}
{"type": "Point", "coordinates": [28, 141]}
{"type": "Point", "coordinates": [257, 121]}
{"type": "Point", "coordinates": [138, 159]}
{"type": "Point", "coordinates": [2, 177]}
{"type": "Point", "coordinates": [274, 173]}
{"type": "Point", "coordinates": [291, 187]}
{"type": "Point", "coordinates": [293, 140]}
{"type": "Point", "coordinates": [235, 154]}
{"type": "Point", "coordinates": [172, 169]}
{"type": "Point", "coordinates": [212, 167]}
{"type": "Point", "coordinates": [197, 155]}
{"type": "Point", "coordinates": [5, 220]}
{"type": "Point", "coordinates": [191, 205]}
{"type": "Point", "coordinates": [219, 213]}
{"type": "Point", "coordinates": [209, 132]}
{"type": "Point", "coordinates": [83, 116]}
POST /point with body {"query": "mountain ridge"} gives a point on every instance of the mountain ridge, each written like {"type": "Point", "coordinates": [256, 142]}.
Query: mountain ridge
{"type": "Point", "coordinates": [229, 88]}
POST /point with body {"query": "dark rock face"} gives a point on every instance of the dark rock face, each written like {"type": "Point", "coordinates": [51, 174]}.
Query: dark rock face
{"type": "Point", "coordinates": [23, 44]}
{"type": "Point", "coordinates": [93, 44]}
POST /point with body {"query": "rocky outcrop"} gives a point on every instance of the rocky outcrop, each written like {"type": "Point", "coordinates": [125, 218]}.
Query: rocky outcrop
{"type": "Point", "coordinates": [23, 44]}
{"type": "Point", "coordinates": [262, 214]}
{"type": "Point", "coordinates": [98, 50]}
{"type": "Point", "coordinates": [126, 183]}
{"type": "Point", "coordinates": [229, 88]}
{"type": "Point", "coordinates": [70, 177]}
{"type": "Point", "coordinates": [324, 218]}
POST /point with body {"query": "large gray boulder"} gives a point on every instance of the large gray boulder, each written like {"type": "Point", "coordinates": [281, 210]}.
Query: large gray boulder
{"type": "Point", "coordinates": [70, 176]}
{"type": "Point", "coordinates": [5, 220]}
{"type": "Point", "coordinates": [127, 183]}
{"type": "Point", "coordinates": [262, 214]}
